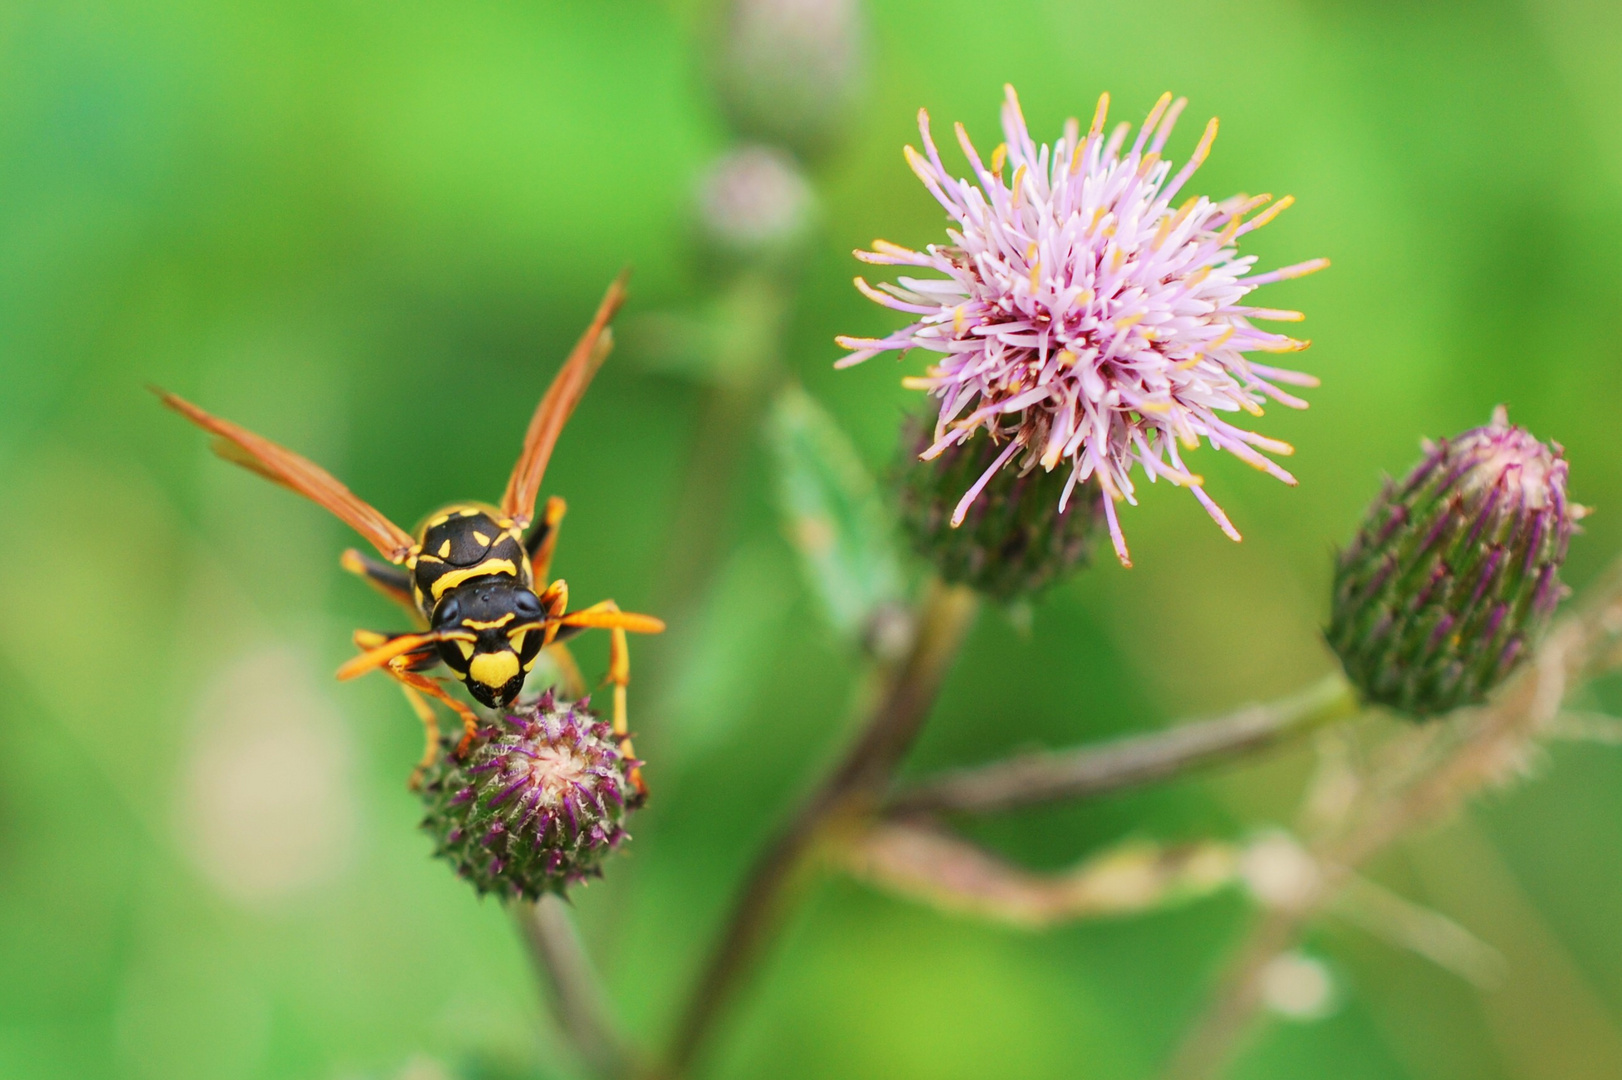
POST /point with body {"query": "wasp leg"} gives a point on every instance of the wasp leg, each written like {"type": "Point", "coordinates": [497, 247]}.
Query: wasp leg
{"type": "Point", "coordinates": [556, 601]}
{"type": "Point", "coordinates": [430, 727]}
{"type": "Point", "coordinates": [391, 581]}
{"type": "Point", "coordinates": [543, 538]}
{"type": "Point", "coordinates": [619, 673]}
{"type": "Point", "coordinates": [401, 668]}
{"type": "Point", "coordinates": [607, 614]}
{"type": "Point", "coordinates": [406, 668]}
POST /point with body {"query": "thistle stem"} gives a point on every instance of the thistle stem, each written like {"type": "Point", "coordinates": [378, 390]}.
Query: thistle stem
{"type": "Point", "coordinates": [853, 789]}
{"type": "Point", "coordinates": [571, 986]}
{"type": "Point", "coordinates": [1087, 771]}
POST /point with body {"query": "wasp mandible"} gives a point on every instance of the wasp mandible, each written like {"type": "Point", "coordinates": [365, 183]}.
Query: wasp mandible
{"type": "Point", "coordinates": [469, 574]}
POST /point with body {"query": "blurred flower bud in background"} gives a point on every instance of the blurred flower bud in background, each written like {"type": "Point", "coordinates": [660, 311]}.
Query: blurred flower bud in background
{"type": "Point", "coordinates": [754, 202]}
{"type": "Point", "coordinates": [536, 804]}
{"type": "Point", "coordinates": [792, 71]}
{"type": "Point", "coordinates": [1015, 540]}
{"type": "Point", "coordinates": [1455, 571]}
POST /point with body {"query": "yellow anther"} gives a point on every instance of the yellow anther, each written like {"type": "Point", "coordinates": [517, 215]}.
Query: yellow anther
{"type": "Point", "coordinates": [1018, 184]}
{"type": "Point", "coordinates": [957, 320]}
{"type": "Point", "coordinates": [998, 157]}
{"type": "Point", "coordinates": [1154, 113]}
{"type": "Point", "coordinates": [1203, 150]}
{"type": "Point", "coordinates": [884, 247]}
{"type": "Point", "coordinates": [1272, 212]}
{"type": "Point", "coordinates": [1099, 114]}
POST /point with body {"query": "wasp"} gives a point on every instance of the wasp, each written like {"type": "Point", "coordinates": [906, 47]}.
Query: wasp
{"type": "Point", "coordinates": [473, 576]}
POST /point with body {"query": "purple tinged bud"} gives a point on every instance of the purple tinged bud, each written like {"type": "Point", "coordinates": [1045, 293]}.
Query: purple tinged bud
{"type": "Point", "coordinates": [1454, 570]}
{"type": "Point", "coordinates": [537, 803]}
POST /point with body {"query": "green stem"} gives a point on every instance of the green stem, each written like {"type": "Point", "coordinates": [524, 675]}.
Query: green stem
{"type": "Point", "coordinates": [571, 987]}
{"type": "Point", "coordinates": [852, 789]}
{"type": "Point", "coordinates": [1141, 759]}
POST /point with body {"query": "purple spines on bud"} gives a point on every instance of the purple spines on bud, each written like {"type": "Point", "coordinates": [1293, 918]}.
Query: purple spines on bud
{"type": "Point", "coordinates": [1025, 531]}
{"type": "Point", "coordinates": [1454, 570]}
{"type": "Point", "coordinates": [535, 805]}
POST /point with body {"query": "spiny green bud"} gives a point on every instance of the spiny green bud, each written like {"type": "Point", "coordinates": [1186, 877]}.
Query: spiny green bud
{"type": "Point", "coordinates": [1015, 540]}
{"type": "Point", "coordinates": [1455, 571]}
{"type": "Point", "coordinates": [537, 802]}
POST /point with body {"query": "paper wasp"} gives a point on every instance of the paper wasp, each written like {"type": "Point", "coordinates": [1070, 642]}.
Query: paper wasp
{"type": "Point", "coordinates": [469, 576]}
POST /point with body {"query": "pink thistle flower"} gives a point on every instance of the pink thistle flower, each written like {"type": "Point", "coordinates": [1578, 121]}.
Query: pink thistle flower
{"type": "Point", "coordinates": [1082, 317]}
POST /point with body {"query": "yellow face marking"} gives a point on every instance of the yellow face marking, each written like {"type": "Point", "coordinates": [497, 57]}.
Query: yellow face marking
{"type": "Point", "coordinates": [474, 624]}
{"type": "Point", "coordinates": [517, 640]}
{"type": "Point", "coordinates": [481, 538]}
{"type": "Point", "coordinates": [493, 669]}
{"type": "Point", "coordinates": [445, 550]}
{"type": "Point", "coordinates": [456, 577]}
{"type": "Point", "coordinates": [466, 649]}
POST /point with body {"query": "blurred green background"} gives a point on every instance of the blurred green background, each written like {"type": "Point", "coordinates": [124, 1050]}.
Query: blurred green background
{"type": "Point", "coordinates": [372, 230]}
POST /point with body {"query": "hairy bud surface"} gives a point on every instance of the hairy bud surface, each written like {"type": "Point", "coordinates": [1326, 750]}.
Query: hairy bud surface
{"type": "Point", "coordinates": [1020, 536]}
{"type": "Point", "coordinates": [537, 803]}
{"type": "Point", "coordinates": [1455, 571]}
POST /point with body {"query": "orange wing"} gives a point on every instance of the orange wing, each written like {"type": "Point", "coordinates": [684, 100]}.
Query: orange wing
{"type": "Point", "coordinates": [299, 474]}
{"type": "Point", "coordinates": [567, 388]}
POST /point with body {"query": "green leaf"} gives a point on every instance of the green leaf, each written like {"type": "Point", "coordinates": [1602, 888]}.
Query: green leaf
{"type": "Point", "coordinates": [834, 514]}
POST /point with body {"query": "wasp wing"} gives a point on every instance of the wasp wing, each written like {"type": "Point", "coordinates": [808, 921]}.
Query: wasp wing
{"type": "Point", "coordinates": [567, 388]}
{"type": "Point", "coordinates": [243, 447]}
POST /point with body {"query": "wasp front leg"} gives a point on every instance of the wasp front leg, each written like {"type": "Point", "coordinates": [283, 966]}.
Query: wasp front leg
{"type": "Point", "coordinates": [405, 667]}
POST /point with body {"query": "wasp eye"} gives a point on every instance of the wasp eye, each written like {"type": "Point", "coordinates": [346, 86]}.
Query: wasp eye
{"type": "Point", "coordinates": [527, 604]}
{"type": "Point", "coordinates": [449, 612]}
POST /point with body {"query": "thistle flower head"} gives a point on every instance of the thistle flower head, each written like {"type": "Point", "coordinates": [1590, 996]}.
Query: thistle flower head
{"type": "Point", "coordinates": [536, 804]}
{"type": "Point", "coordinates": [1081, 317]}
{"type": "Point", "coordinates": [1455, 571]}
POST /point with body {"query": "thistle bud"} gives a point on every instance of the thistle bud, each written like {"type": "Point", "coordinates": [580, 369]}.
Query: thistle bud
{"type": "Point", "coordinates": [1455, 571]}
{"type": "Point", "coordinates": [1017, 537]}
{"type": "Point", "coordinates": [755, 202]}
{"type": "Point", "coordinates": [538, 801]}
{"type": "Point", "coordinates": [792, 71]}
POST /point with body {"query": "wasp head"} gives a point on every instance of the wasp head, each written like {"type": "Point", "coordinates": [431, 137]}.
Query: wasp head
{"type": "Point", "coordinates": [492, 632]}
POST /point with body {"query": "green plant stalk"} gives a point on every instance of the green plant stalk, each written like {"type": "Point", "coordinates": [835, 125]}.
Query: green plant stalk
{"type": "Point", "coordinates": [852, 790]}
{"type": "Point", "coordinates": [571, 987]}
{"type": "Point", "coordinates": [1493, 740]}
{"type": "Point", "coordinates": [1087, 771]}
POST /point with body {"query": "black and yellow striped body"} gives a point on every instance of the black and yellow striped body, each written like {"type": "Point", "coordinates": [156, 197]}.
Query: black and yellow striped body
{"type": "Point", "coordinates": [470, 572]}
